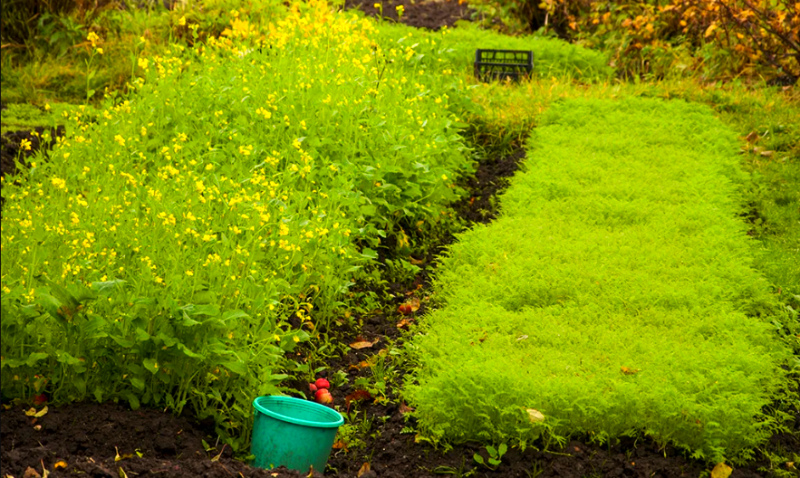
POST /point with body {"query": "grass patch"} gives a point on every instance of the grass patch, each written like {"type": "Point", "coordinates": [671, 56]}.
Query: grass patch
{"type": "Point", "coordinates": [615, 294]}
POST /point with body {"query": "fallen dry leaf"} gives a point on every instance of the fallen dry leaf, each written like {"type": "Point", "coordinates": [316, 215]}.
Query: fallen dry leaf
{"type": "Point", "coordinates": [364, 468]}
{"type": "Point", "coordinates": [410, 306]}
{"type": "Point", "coordinates": [363, 344]}
{"type": "Point", "coordinates": [628, 371]}
{"type": "Point", "coordinates": [404, 408]}
{"type": "Point", "coordinates": [535, 416]}
{"type": "Point", "coordinates": [752, 137]}
{"type": "Point", "coordinates": [33, 413]}
{"type": "Point", "coordinates": [721, 471]}
{"type": "Point", "coordinates": [356, 396]}
{"type": "Point", "coordinates": [416, 262]}
{"type": "Point", "coordinates": [767, 154]}
{"type": "Point", "coordinates": [339, 445]}
{"type": "Point", "coordinates": [31, 473]}
{"type": "Point", "coordinates": [60, 464]}
{"type": "Point", "coordinates": [405, 323]}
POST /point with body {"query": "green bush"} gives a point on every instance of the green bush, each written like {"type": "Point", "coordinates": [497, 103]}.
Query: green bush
{"type": "Point", "coordinates": [614, 295]}
{"type": "Point", "coordinates": [159, 253]}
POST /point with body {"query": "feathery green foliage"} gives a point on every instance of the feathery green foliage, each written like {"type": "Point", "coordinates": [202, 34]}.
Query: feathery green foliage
{"type": "Point", "coordinates": [614, 294]}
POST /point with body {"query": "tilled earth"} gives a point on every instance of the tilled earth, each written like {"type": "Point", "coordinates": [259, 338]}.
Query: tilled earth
{"type": "Point", "coordinates": [110, 440]}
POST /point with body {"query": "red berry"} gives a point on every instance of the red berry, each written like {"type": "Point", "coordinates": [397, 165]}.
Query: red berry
{"type": "Point", "coordinates": [322, 383]}
{"type": "Point", "coordinates": [312, 388]}
{"type": "Point", "coordinates": [404, 309]}
{"type": "Point", "coordinates": [323, 396]}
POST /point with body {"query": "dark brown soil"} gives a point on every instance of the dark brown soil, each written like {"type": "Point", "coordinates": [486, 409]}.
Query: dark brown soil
{"type": "Point", "coordinates": [431, 14]}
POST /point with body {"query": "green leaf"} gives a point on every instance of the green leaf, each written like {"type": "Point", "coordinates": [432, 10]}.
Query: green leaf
{"type": "Point", "coordinates": [137, 383]}
{"type": "Point", "coordinates": [94, 328]}
{"type": "Point", "coordinates": [98, 394]}
{"type": "Point", "coordinates": [133, 401]}
{"type": "Point", "coordinates": [503, 449]}
{"type": "Point", "coordinates": [35, 357]}
{"type": "Point", "coordinates": [234, 314]}
{"type": "Point", "coordinates": [66, 358]}
{"type": "Point", "coordinates": [492, 450]}
{"type": "Point", "coordinates": [50, 304]}
{"type": "Point", "coordinates": [80, 384]}
{"type": "Point", "coordinates": [64, 296]}
{"type": "Point", "coordinates": [194, 310]}
{"type": "Point", "coordinates": [494, 461]}
{"type": "Point", "coordinates": [107, 287]}
{"type": "Point", "coordinates": [122, 342]}
{"type": "Point", "coordinates": [189, 352]}
{"type": "Point", "coordinates": [478, 459]}
{"type": "Point", "coordinates": [141, 335]}
{"type": "Point", "coordinates": [150, 365]}
{"type": "Point", "coordinates": [238, 367]}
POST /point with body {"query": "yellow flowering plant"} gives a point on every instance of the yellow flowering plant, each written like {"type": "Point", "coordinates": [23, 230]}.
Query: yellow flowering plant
{"type": "Point", "coordinates": [243, 182]}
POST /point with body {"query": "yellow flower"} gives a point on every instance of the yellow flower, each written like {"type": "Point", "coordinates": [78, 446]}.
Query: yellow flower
{"type": "Point", "coordinates": [182, 21]}
{"type": "Point", "coordinates": [92, 37]}
{"type": "Point", "coordinates": [58, 183]}
{"type": "Point", "coordinates": [189, 273]}
{"type": "Point", "coordinates": [143, 63]}
{"type": "Point", "coordinates": [99, 50]}
{"type": "Point", "coordinates": [25, 144]}
{"type": "Point", "coordinates": [119, 139]}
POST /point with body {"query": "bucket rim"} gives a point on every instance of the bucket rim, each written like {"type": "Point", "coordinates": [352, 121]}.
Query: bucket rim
{"type": "Point", "coordinates": [336, 418]}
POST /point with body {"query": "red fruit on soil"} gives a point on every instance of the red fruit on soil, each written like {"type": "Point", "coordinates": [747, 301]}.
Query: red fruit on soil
{"type": "Point", "coordinates": [323, 396]}
{"type": "Point", "coordinates": [404, 309]}
{"type": "Point", "coordinates": [39, 399]}
{"type": "Point", "coordinates": [322, 383]}
{"type": "Point", "coordinates": [312, 388]}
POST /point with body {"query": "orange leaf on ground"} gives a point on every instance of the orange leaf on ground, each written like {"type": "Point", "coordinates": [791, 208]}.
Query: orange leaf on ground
{"type": "Point", "coordinates": [339, 445]}
{"type": "Point", "coordinates": [356, 396]}
{"type": "Point", "coordinates": [361, 343]}
{"type": "Point", "coordinates": [404, 323]}
{"type": "Point", "coordinates": [628, 371]}
{"type": "Point", "coordinates": [404, 408]}
{"type": "Point", "coordinates": [364, 468]}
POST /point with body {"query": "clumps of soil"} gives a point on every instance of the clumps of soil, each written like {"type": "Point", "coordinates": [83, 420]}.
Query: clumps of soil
{"type": "Point", "coordinates": [99, 440]}
{"type": "Point", "coordinates": [491, 178]}
{"type": "Point", "coordinates": [430, 14]}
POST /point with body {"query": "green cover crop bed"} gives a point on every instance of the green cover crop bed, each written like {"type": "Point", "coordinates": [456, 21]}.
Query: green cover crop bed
{"type": "Point", "coordinates": [613, 296]}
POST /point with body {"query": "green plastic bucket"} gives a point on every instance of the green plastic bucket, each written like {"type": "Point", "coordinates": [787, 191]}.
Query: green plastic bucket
{"type": "Point", "coordinates": [292, 432]}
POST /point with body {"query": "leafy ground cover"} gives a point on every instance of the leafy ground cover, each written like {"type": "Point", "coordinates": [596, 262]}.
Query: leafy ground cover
{"type": "Point", "coordinates": [614, 295]}
{"type": "Point", "coordinates": [379, 428]}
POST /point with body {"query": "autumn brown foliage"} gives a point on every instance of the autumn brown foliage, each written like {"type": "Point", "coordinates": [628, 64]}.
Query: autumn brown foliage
{"type": "Point", "coordinates": [724, 37]}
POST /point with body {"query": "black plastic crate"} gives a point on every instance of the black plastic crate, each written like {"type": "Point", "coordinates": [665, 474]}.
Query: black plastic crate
{"type": "Point", "coordinates": [502, 64]}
